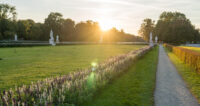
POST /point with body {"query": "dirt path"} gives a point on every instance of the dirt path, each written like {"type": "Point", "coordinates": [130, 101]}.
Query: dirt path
{"type": "Point", "coordinates": [170, 88]}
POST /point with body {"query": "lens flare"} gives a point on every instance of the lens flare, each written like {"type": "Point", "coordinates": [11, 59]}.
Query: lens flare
{"type": "Point", "coordinates": [94, 65]}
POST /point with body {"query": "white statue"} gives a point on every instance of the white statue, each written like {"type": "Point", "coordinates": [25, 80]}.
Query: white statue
{"type": "Point", "coordinates": [16, 37]}
{"type": "Point", "coordinates": [156, 39]}
{"type": "Point", "coordinates": [51, 40]}
{"type": "Point", "coordinates": [57, 39]}
{"type": "Point", "coordinates": [101, 39]}
{"type": "Point", "coordinates": [150, 40]}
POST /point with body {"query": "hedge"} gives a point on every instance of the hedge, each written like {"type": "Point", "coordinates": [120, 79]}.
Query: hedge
{"type": "Point", "coordinates": [189, 57]}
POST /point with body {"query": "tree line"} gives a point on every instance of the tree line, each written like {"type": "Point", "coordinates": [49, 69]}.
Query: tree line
{"type": "Point", "coordinates": [67, 29]}
{"type": "Point", "coordinates": [172, 27]}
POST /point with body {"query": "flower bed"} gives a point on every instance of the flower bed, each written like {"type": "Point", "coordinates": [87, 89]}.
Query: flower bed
{"type": "Point", "coordinates": [187, 56]}
{"type": "Point", "coordinates": [71, 89]}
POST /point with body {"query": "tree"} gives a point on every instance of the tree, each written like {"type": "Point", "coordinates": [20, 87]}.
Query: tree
{"type": "Point", "coordinates": [38, 32]}
{"type": "Point", "coordinates": [67, 30]}
{"type": "Point", "coordinates": [114, 35]}
{"type": "Point", "coordinates": [174, 27]}
{"type": "Point", "coordinates": [87, 31]}
{"type": "Point", "coordinates": [146, 28]}
{"type": "Point", "coordinates": [7, 21]}
{"type": "Point", "coordinates": [54, 21]}
{"type": "Point", "coordinates": [7, 29]}
{"type": "Point", "coordinates": [7, 12]}
{"type": "Point", "coordinates": [24, 28]}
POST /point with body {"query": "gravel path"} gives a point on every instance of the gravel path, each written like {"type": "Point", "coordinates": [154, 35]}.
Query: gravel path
{"type": "Point", "coordinates": [170, 88]}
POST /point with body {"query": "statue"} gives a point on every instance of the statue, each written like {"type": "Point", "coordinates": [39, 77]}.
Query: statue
{"type": "Point", "coordinates": [51, 40]}
{"type": "Point", "coordinates": [57, 39]}
{"type": "Point", "coordinates": [16, 37]}
{"type": "Point", "coordinates": [156, 39]}
{"type": "Point", "coordinates": [101, 39]}
{"type": "Point", "coordinates": [150, 40]}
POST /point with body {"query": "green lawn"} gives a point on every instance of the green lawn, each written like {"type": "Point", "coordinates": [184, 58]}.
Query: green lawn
{"type": "Point", "coordinates": [192, 48]}
{"type": "Point", "coordinates": [189, 75]}
{"type": "Point", "coordinates": [134, 87]}
{"type": "Point", "coordinates": [22, 65]}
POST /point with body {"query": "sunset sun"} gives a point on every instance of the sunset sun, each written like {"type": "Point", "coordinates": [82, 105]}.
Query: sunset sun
{"type": "Point", "coordinates": [106, 24]}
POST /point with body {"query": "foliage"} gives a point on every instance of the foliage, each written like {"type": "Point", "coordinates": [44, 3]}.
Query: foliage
{"type": "Point", "coordinates": [7, 21]}
{"type": "Point", "coordinates": [188, 73]}
{"type": "Point", "coordinates": [7, 12]}
{"type": "Point", "coordinates": [83, 29]}
{"type": "Point", "coordinates": [73, 88]}
{"type": "Point", "coordinates": [146, 28]}
{"type": "Point", "coordinates": [67, 30]}
{"type": "Point", "coordinates": [135, 87]}
{"type": "Point", "coordinates": [174, 27]}
{"type": "Point", "coordinates": [187, 56]}
{"type": "Point", "coordinates": [24, 28]}
{"type": "Point", "coordinates": [7, 29]}
{"type": "Point", "coordinates": [38, 32]}
{"type": "Point", "coordinates": [113, 35]}
{"type": "Point", "coordinates": [54, 22]}
{"type": "Point", "coordinates": [168, 46]}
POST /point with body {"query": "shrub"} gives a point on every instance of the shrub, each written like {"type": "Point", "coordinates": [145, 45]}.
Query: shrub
{"type": "Point", "coordinates": [189, 57]}
{"type": "Point", "coordinates": [169, 47]}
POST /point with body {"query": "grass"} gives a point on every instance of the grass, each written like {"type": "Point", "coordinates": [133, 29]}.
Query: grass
{"type": "Point", "coordinates": [190, 76]}
{"type": "Point", "coordinates": [192, 48]}
{"type": "Point", "coordinates": [134, 87]}
{"type": "Point", "coordinates": [25, 64]}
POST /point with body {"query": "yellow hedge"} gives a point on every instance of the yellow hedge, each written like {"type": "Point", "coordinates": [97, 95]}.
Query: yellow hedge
{"type": "Point", "coordinates": [187, 56]}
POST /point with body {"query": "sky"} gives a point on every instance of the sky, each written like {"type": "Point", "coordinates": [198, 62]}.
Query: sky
{"type": "Point", "coordinates": [122, 14]}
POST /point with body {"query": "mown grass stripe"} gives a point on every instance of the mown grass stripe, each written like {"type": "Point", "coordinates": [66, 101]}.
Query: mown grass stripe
{"type": "Point", "coordinates": [134, 87]}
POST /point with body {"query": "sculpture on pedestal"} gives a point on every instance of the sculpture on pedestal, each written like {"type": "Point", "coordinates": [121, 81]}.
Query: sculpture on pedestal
{"type": "Point", "coordinates": [101, 39]}
{"type": "Point", "coordinates": [51, 40]}
{"type": "Point", "coordinates": [57, 39]}
{"type": "Point", "coordinates": [150, 39]}
{"type": "Point", "coordinates": [16, 37]}
{"type": "Point", "coordinates": [156, 39]}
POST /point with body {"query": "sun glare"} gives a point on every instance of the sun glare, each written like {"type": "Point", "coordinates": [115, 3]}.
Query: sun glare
{"type": "Point", "coordinates": [106, 24]}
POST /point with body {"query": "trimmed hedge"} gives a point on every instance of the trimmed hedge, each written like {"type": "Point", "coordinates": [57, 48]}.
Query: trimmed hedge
{"type": "Point", "coordinates": [189, 57]}
{"type": "Point", "coordinates": [169, 47]}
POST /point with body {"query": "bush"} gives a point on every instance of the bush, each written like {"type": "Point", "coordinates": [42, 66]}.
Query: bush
{"type": "Point", "coordinates": [189, 57]}
{"type": "Point", "coordinates": [169, 47]}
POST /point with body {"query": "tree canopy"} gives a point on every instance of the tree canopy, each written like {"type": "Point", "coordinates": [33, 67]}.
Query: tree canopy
{"type": "Point", "coordinates": [54, 21]}
{"type": "Point", "coordinates": [7, 21]}
{"type": "Point", "coordinates": [67, 29]}
{"type": "Point", "coordinates": [146, 28]}
{"type": "Point", "coordinates": [7, 12]}
{"type": "Point", "coordinates": [174, 27]}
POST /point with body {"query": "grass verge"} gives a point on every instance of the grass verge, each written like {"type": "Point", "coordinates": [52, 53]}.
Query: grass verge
{"type": "Point", "coordinates": [190, 76]}
{"type": "Point", "coordinates": [135, 87]}
{"type": "Point", "coordinates": [192, 48]}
